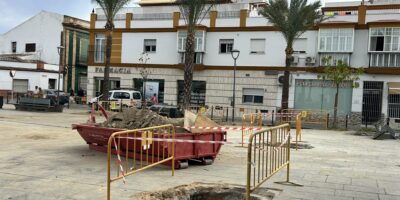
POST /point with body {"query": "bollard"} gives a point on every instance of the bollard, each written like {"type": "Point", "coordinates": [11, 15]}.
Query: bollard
{"type": "Point", "coordinates": [212, 112]}
{"type": "Point", "coordinates": [273, 115]}
{"type": "Point", "coordinates": [347, 120]}
{"type": "Point", "coordinates": [327, 120]}
{"type": "Point", "coordinates": [227, 114]}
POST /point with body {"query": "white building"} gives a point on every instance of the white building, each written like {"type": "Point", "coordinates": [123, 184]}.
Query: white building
{"type": "Point", "coordinates": [364, 36]}
{"type": "Point", "coordinates": [31, 50]}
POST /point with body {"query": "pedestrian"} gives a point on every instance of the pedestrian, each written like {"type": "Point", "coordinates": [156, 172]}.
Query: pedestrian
{"type": "Point", "coordinates": [81, 93]}
{"type": "Point", "coordinates": [154, 99]}
{"type": "Point", "coordinates": [36, 92]}
{"type": "Point", "coordinates": [40, 93]}
{"type": "Point", "coordinates": [71, 93]}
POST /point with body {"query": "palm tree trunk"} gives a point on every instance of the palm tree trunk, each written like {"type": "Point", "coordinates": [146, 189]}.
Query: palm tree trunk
{"type": "Point", "coordinates": [335, 106]}
{"type": "Point", "coordinates": [285, 89]}
{"type": "Point", "coordinates": [108, 59]}
{"type": "Point", "coordinates": [189, 65]}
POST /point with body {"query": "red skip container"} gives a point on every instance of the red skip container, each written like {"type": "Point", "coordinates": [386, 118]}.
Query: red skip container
{"type": "Point", "coordinates": [97, 138]}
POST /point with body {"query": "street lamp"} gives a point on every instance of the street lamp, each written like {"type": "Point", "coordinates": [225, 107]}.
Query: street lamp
{"type": "Point", "coordinates": [235, 55]}
{"type": "Point", "coordinates": [60, 51]}
{"type": "Point", "coordinates": [12, 75]}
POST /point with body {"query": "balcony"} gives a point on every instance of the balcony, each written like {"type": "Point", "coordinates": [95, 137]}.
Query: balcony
{"type": "Point", "coordinates": [384, 59]}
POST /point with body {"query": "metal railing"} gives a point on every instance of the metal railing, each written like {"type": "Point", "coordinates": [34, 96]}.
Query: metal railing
{"type": "Point", "coordinates": [228, 14]}
{"type": "Point", "coordinates": [153, 16]}
{"type": "Point", "coordinates": [249, 123]}
{"type": "Point", "coordinates": [268, 153]}
{"type": "Point", "coordinates": [384, 59]}
{"type": "Point", "coordinates": [140, 150]}
{"type": "Point", "coordinates": [313, 117]}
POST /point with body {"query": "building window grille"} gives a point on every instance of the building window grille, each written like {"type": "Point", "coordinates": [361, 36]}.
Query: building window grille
{"type": "Point", "coordinates": [335, 57]}
{"type": "Point", "coordinates": [52, 83]}
{"type": "Point", "coordinates": [150, 45]}
{"type": "Point", "coordinates": [253, 95]}
{"type": "Point", "coordinates": [198, 58]}
{"type": "Point", "coordinates": [336, 40]}
{"type": "Point", "coordinates": [225, 45]}
{"type": "Point", "coordinates": [30, 47]}
{"type": "Point", "coordinates": [394, 100]}
{"type": "Point", "coordinates": [99, 48]}
{"type": "Point", "coordinates": [257, 46]}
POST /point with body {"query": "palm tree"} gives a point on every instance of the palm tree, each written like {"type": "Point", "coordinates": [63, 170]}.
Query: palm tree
{"type": "Point", "coordinates": [110, 8]}
{"type": "Point", "coordinates": [193, 11]}
{"type": "Point", "coordinates": [292, 21]}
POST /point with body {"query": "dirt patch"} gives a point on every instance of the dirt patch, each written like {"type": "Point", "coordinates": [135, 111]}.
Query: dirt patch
{"type": "Point", "coordinates": [38, 137]}
{"type": "Point", "coordinates": [204, 191]}
{"type": "Point", "coordinates": [139, 118]}
{"type": "Point", "coordinates": [301, 146]}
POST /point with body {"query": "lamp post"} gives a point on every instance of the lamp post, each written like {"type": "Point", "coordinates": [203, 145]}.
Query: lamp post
{"type": "Point", "coordinates": [12, 75]}
{"type": "Point", "coordinates": [235, 55]}
{"type": "Point", "coordinates": [60, 51]}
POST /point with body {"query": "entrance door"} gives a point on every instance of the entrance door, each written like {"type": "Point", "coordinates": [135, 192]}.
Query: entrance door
{"type": "Point", "coordinates": [372, 102]}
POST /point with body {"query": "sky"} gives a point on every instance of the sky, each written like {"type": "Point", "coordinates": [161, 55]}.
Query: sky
{"type": "Point", "coordinates": [14, 12]}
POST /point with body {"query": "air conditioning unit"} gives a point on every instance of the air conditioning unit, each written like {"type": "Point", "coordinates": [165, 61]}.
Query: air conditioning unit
{"type": "Point", "coordinates": [281, 79]}
{"type": "Point", "coordinates": [295, 60]}
{"type": "Point", "coordinates": [310, 60]}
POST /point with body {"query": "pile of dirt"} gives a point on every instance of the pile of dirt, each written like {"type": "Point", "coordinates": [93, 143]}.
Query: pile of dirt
{"type": "Point", "coordinates": [134, 118]}
{"type": "Point", "coordinates": [204, 191]}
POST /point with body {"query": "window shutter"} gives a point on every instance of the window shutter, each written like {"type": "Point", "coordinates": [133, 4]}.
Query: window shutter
{"type": "Point", "coordinates": [257, 45]}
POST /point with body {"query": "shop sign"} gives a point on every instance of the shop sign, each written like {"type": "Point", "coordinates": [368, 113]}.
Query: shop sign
{"type": "Point", "coordinates": [114, 70]}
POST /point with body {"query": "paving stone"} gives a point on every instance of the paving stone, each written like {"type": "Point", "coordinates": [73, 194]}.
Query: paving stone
{"type": "Point", "coordinates": [313, 177]}
{"type": "Point", "coordinates": [355, 194]}
{"type": "Point", "coordinates": [388, 197]}
{"type": "Point", "coordinates": [327, 185]}
{"type": "Point", "coordinates": [364, 189]}
{"type": "Point", "coordinates": [339, 180]}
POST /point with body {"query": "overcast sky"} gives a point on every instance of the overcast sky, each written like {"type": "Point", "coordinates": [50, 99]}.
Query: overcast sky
{"type": "Point", "coordinates": [14, 12]}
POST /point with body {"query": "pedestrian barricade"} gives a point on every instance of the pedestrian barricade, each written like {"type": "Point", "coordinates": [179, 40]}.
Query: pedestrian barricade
{"type": "Point", "coordinates": [308, 117]}
{"type": "Point", "coordinates": [268, 153]}
{"type": "Point", "coordinates": [249, 123]}
{"type": "Point", "coordinates": [138, 150]}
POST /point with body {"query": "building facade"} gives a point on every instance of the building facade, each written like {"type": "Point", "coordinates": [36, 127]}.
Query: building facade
{"type": "Point", "coordinates": [31, 50]}
{"type": "Point", "coordinates": [361, 35]}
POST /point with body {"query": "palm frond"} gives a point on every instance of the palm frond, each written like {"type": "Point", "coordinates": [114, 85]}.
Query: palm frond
{"type": "Point", "coordinates": [194, 11]}
{"type": "Point", "coordinates": [111, 7]}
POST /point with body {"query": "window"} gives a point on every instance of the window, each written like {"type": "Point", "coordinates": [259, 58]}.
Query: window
{"type": "Point", "coordinates": [30, 47]}
{"type": "Point", "coordinates": [121, 95]}
{"type": "Point", "coordinates": [52, 83]}
{"type": "Point", "coordinates": [257, 46]}
{"type": "Point", "coordinates": [198, 37]}
{"type": "Point", "coordinates": [198, 92]}
{"type": "Point", "coordinates": [384, 39]}
{"type": "Point", "coordinates": [225, 45]}
{"type": "Point", "coordinates": [99, 48]}
{"type": "Point", "coordinates": [336, 40]}
{"type": "Point", "coordinates": [300, 45]}
{"type": "Point", "coordinates": [150, 45]}
{"type": "Point", "coordinates": [252, 95]}
{"type": "Point", "coordinates": [14, 47]}
{"type": "Point", "coordinates": [198, 58]}
{"type": "Point", "coordinates": [83, 51]}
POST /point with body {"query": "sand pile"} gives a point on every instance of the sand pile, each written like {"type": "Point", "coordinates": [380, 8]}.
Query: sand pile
{"type": "Point", "coordinates": [134, 118]}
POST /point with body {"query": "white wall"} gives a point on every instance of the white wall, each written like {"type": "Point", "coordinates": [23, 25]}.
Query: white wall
{"type": "Point", "coordinates": [359, 57]}
{"type": "Point", "coordinates": [44, 29]}
{"type": "Point", "coordinates": [166, 53]}
{"type": "Point", "coordinates": [40, 79]}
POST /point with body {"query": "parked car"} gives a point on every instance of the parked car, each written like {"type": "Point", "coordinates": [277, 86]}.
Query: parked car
{"type": "Point", "coordinates": [52, 94]}
{"type": "Point", "coordinates": [128, 98]}
{"type": "Point", "coordinates": [167, 110]}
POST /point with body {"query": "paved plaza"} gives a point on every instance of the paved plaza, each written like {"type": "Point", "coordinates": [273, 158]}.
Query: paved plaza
{"type": "Point", "coordinates": [42, 158]}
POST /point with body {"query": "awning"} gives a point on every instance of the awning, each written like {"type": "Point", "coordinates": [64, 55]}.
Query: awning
{"type": "Point", "coordinates": [394, 87]}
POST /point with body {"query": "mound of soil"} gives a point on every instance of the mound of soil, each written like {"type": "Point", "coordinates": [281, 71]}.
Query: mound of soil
{"type": "Point", "coordinates": [134, 118]}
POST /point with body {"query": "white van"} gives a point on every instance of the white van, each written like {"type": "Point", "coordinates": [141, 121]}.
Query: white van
{"type": "Point", "coordinates": [128, 98]}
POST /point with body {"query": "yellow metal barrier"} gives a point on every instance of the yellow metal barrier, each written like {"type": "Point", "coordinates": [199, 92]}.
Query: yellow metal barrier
{"type": "Point", "coordinates": [249, 122]}
{"type": "Point", "coordinates": [140, 150]}
{"type": "Point", "coordinates": [268, 153]}
{"type": "Point", "coordinates": [307, 116]}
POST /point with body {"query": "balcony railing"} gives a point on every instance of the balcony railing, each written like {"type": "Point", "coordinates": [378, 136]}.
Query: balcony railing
{"type": "Point", "coordinates": [384, 59]}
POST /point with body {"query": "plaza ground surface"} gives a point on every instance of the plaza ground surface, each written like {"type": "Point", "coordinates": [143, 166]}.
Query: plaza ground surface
{"type": "Point", "coordinates": [42, 158]}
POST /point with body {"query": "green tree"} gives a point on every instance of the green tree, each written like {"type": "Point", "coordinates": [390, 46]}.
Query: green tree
{"type": "Point", "coordinates": [292, 21]}
{"type": "Point", "coordinates": [110, 8]}
{"type": "Point", "coordinates": [339, 74]}
{"type": "Point", "coordinates": [193, 12]}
